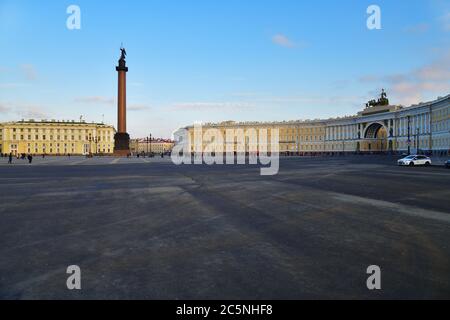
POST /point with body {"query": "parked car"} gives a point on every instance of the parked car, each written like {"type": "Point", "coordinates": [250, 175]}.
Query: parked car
{"type": "Point", "coordinates": [447, 164]}
{"type": "Point", "coordinates": [414, 160]}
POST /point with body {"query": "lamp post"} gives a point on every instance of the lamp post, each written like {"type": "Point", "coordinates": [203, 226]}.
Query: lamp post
{"type": "Point", "coordinates": [418, 140]}
{"type": "Point", "coordinates": [90, 145]}
{"type": "Point", "coordinates": [409, 135]}
{"type": "Point", "coordinates": [150, 144]}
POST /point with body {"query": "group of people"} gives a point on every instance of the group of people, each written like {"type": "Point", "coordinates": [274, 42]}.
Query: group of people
{"type": "Point", "coordinates": [23, 156]}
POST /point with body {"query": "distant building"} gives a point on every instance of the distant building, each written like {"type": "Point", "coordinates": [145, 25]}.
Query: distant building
{"type": "Point", "coordinates": [380, 127]}
{"type": "Point", "coordinates": [56, 138]}
{"type": "Point", "coordinates": [144, 145]}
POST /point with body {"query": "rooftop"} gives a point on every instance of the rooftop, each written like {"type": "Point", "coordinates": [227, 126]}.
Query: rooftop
{"type": "Point", "coordinates": [157, 140]}
{"type": "Point", "coordinates": [53, 121]}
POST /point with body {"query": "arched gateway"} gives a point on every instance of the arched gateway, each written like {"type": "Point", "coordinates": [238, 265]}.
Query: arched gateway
{"type": "Point", "coordinates": [375, 138]}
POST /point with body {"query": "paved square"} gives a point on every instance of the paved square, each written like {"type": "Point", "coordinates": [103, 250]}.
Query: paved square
{"type": "Point", "coordinates": [147, 229]}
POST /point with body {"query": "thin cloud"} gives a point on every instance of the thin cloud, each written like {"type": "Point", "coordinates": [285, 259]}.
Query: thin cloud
{"type": "Point", "coordinates": [95, 100]}
{"type": "Point", "coordinates": [34, 112]}
{"type": "Point", "coordinates": [246, 94]}
{"type": "Point", "coordinates": [29, 71]}
{"type": "Point", "coordinates": [418, 28]}
{"type": "Point", "coordinates": [418, 84]}
{"type": "Point", "coordinates": [445, 21]}
{"type": "Point", "coordinates": [306, 100]}
{"type": "Point", "coordinates": [138, 107]}
{"type": "Point", "coordinates": [438, 70]}
{"type": "Point", "coordinates": [212, 106]}
{"type": "Point", "coordinates": [5, 108]}
{"type": "Point", "coordinates": [283, 41]}
{"type": "Point", "coordinates": [24, 110]}
{"type": "Point", "coordinates": [369, 78]}
{"type": "Point", "coordinates": [13, 85]}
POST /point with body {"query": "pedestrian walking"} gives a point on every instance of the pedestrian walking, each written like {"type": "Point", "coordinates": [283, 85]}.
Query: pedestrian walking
{"type": "Point", "coordinates": [10, 158]}
{"type": "Point", "coordinates": [30, 158]}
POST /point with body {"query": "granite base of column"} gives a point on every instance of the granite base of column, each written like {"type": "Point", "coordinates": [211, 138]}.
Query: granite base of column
{"type": "Point", "coordinates": [121, 144]}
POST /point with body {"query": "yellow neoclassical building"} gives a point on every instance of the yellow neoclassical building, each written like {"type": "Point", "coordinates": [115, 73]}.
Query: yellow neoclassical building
{"type": "Point", "coordinates": [379, 127]}
{"type": "Point", "coordinates": [294, 136]}
{"type": "Point", "coordinates": [144, 145]}
{"type": "Point", "coordinates": [56, 138]}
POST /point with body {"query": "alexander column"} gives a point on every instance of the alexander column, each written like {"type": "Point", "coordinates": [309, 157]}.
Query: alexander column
{"type": "Point", "coordinates": [122, 138]}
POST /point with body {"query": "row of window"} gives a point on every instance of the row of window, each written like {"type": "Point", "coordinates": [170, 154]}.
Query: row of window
{"type": "Point", "coordinates": [58, 138]}
{"type": "Point", "coordinates": [75, 131]}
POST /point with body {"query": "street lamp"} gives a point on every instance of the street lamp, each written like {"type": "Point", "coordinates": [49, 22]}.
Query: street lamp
{"type": "Point", "coordinates": [90, 145]}
{"type": "Point", "coordinates": [150, 144]}
{"type": "Point", "coordinates": [409, 135]}
{"type": "Point", "coordinates": [96, 147]}
{"type": "Point", "coordinates": [418, 140]}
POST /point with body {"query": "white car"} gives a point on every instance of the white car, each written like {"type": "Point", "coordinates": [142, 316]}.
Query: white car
{"type": "Point", "coordinates": [415, 161]}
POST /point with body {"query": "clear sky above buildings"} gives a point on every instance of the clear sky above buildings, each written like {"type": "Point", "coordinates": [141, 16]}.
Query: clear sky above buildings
{"type": "Point", "coordinates": [215, 60]}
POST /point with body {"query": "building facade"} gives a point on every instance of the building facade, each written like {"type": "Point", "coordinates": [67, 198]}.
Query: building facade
{"type": "Point", "coordinates": [379, 128]}
{"type": "Point", "coordinates": [56, 138]}
{"type": "Point", "coordinates": [145, 146]}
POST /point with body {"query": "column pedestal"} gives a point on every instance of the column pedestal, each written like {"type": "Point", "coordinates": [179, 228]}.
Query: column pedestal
{"type": "Point", "coordinates": [121, 144]}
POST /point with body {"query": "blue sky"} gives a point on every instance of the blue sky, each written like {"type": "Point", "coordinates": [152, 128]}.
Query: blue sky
{"type": "Point", "coordinates": [199, 60]}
